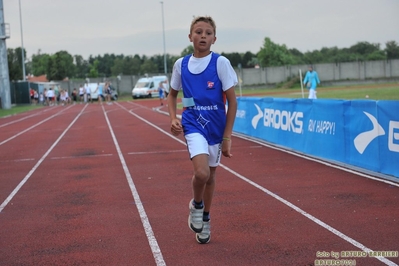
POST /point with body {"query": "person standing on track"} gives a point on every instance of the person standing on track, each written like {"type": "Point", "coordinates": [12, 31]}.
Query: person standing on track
{"type": "Point", "coordinates": [74, 95]}
{"type": "Point", "coordinates": [88, 93]}
{"type": "Point", "coordinates": [99, 91]}
{"type": "Point", "coordinates": [161, 92]}
{"type": "Point", "coordinates": [36, 97]}
{"type": "Point", "coordinates": [32, 95]}
{"type": "Point", "coordinates": [81, 93]}
{"type": "Point", "coordinates": [207, 79]}
{"type": "Point", "coordinates": [311, 80]}
{"type": "Point", "coordinates": [107, 91]}
{"type": "Point", "coordinates": [51, 96]}
{"type": "Point", "coordinates": [45, 97]}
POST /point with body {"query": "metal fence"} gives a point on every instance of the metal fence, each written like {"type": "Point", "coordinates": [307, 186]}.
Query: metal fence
{"type": "Point", "coordinates": [352, 72]}
{"type": "Point", "coordinates": [356, 71]}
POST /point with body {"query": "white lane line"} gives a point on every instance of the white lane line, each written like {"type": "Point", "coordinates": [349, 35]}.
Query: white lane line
{"type": "Point", "coordinates": [289, 204]}
{"type": "Point", "coordinates": [309, 216]}
{"type": "Point", "coordinates": [35, 125]}
{"type": "Point", "coordinates": [155, 152]}
{"type": "Point", "coordinates": [388, 180]}
{"type": "Point", "coordinates": [317, 160]}
{"type": "Point", "coordinates": [156, 251]}
{"type": "Point", "coordinates": [15, 191]}
{"type": "Point", "coordinates": [17, 160]}
{"type": "Point", "coordinates": [23, 118]}
{"type": "Point", "coordinates": [18, 120]}
{"type": "Point", "coordinates": [83, 156]}
{"type": "Point", "coordinates": [58, 158]}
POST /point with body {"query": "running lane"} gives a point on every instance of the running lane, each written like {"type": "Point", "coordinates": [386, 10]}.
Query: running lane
{"type": "Point", "coordinates": [284, 209]}
{"type": "Point", "coordinates": [114, 190]}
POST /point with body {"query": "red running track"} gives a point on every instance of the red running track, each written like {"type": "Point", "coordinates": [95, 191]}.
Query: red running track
{"type": "Point", "coordinates": [108, 185]}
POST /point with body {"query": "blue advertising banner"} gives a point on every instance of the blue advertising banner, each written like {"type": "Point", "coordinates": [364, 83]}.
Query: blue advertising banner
{"type": "Point", "coordinates": [362, 133]}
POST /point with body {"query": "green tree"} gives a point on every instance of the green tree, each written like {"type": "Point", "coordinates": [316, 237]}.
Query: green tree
{"type": "Point", "coordinates": [234, 58]}
{"type": "Point", "coordinates": [272, 54]}
{"type": "Point", "coordinates": [247, 59]}
{"type": "Point", "coordinates": [39, 64]}
{"type": "Point", "coordinates": [14, 64]}
{"type": "Point", "coordinates": [392, 50]}
{"type": "Point", "coordinates": [297, 56]}
{"type": "Point", "coordinates": [148, 67]}
{"type": "Point", "coordinates": [128, 65]}
{"type": "Point", "coordinates": [117, 68]}
{"type": "Point", "coordinates": [364, 48]}
{"type": "Point", "coordinates": [93, 72]}
{"type": "Point", "coordinates": [376, 55]}
{"type": "Point", "coordinates": [313, 57]}
{"type": "Point", "coordinates": [60, 66]}
{"type": "Point", "coordinates": [188, 50]}
{"type": "Point", "coordinates": [82, 66]}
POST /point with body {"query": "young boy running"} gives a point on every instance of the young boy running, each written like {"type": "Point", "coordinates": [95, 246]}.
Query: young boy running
{"type": "Point", "coordinates": [207, 80]}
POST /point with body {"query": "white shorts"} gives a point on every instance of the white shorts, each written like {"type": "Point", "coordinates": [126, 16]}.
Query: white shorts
{"type": "Point", "coordinates": [197, 144]}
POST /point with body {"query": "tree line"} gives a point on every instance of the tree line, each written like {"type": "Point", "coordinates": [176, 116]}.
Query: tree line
{"type": "Point", "coordinates": [63, 65]}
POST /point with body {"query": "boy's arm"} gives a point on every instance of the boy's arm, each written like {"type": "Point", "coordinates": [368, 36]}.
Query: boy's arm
{"type": "Point", "coordinates": [230, 117]}
{"type": "Point", "coordinates": [175, 124]}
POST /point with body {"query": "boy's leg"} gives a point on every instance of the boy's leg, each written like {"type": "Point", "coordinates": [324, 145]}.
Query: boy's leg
{"type": "Point", "coordinates": [209, 189]}
{"type": "Point", "coordinates": [205, 159]}
{"type": "Point", "coordinates": [205, 235]}
{"type": "Point", "coordinates": [201, 176]}
{"type": "Point", "coordinates": [199, 180]}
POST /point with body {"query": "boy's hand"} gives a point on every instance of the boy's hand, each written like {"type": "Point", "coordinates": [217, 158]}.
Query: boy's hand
{"type": "Point", "coordinates": [176, 127]}
{"type": "Point", "coordinates": [226, 148]}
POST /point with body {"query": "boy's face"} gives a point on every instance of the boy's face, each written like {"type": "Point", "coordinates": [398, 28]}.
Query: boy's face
{"type": "Point", "coordinates": [202, 36]}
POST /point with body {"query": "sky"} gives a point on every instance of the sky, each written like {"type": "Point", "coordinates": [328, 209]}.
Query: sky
{"type": "Point", "coordinates": [130, 27]}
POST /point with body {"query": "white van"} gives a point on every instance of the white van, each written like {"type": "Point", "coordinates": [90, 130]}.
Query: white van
{"type": "Point", "coordinates": [148, 87]}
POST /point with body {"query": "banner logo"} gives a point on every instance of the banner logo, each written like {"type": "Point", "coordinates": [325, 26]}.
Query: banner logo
{"type": "Point", "coordinates": [393, 136]}
{"type": "Point", "coordinates": [279, 119]}
{"type": "Point", "coordinates": [257, 117]}
{"type": "Point", "coordinates": [365, 138]}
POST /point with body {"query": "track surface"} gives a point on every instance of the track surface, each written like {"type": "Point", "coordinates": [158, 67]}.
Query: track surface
{"type": "Point", "coordinates": [108, 185]}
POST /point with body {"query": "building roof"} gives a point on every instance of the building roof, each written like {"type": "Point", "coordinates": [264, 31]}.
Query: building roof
{"type": "Point", "coordinates": [41, 78]}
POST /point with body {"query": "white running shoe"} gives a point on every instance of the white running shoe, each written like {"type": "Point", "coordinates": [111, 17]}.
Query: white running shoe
{"type": "Point", "coordinates": [195, 218]}
{"type": "Point", "coordinates": [205, 236]}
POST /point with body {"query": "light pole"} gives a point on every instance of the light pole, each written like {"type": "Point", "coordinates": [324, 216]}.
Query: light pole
{"type": "Point", "coordinates": [22, 43]}
{"type": "Point", "coordinates": [164, 48]}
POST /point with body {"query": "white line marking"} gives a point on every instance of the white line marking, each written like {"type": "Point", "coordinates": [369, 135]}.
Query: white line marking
{"type": "Point", "coordinates": [21, 119]}
{"type": "Point", "coordinates": [35, 125]}
{"type": "Point", "coordinates": [317, 160]}
{"type": "Point", "coordinates": [18, 120]}
{"type": "Point", "coordinates": [15, 191]}
{"type": "Point", "coordinates": [309, 216]}
{"type": "Point", "coordinates": [289, 204]}
{"type": "Point", "coordinates": [17, 160]}
{"type": "Point", "coordinates": [156, 251]}
{"type": "Point", "coordinates": [83, 156]}
{"type": "Point", "coordinates": [157, 152]}
{"type": "Point", "coordinates": [346, 169]}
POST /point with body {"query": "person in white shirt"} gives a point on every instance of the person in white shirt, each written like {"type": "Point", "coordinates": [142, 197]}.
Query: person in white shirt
{"type": "Point", "coordinates": [51, 96]}
{"type": "Point", "coordinates": [81, 93]}
{"type": "Point", "coordinates": [88, 92]}
{"type": "Point", "coordinates": [62, 97]}
{"type": "Point", "coordinates": [67, 99]}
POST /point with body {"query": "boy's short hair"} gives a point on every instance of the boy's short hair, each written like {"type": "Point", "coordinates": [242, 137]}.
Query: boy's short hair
{"type": "Point", "coordinates": [206, 19]}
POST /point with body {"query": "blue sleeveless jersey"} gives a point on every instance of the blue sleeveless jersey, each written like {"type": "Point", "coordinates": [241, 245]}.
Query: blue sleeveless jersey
{"type": "Point", "coordinates": [207, 115]}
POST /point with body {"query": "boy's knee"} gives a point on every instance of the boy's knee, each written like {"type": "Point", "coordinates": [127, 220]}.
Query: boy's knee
{"type": "Point", "coordinates": [202, 175]}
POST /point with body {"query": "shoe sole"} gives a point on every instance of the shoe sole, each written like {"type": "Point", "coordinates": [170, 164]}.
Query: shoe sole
{"type": "Point", "coordinates": [202, 240]}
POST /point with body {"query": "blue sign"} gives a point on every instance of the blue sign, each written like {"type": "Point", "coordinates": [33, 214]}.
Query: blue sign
{"type": "Point", "coordinates": [362, 133]}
